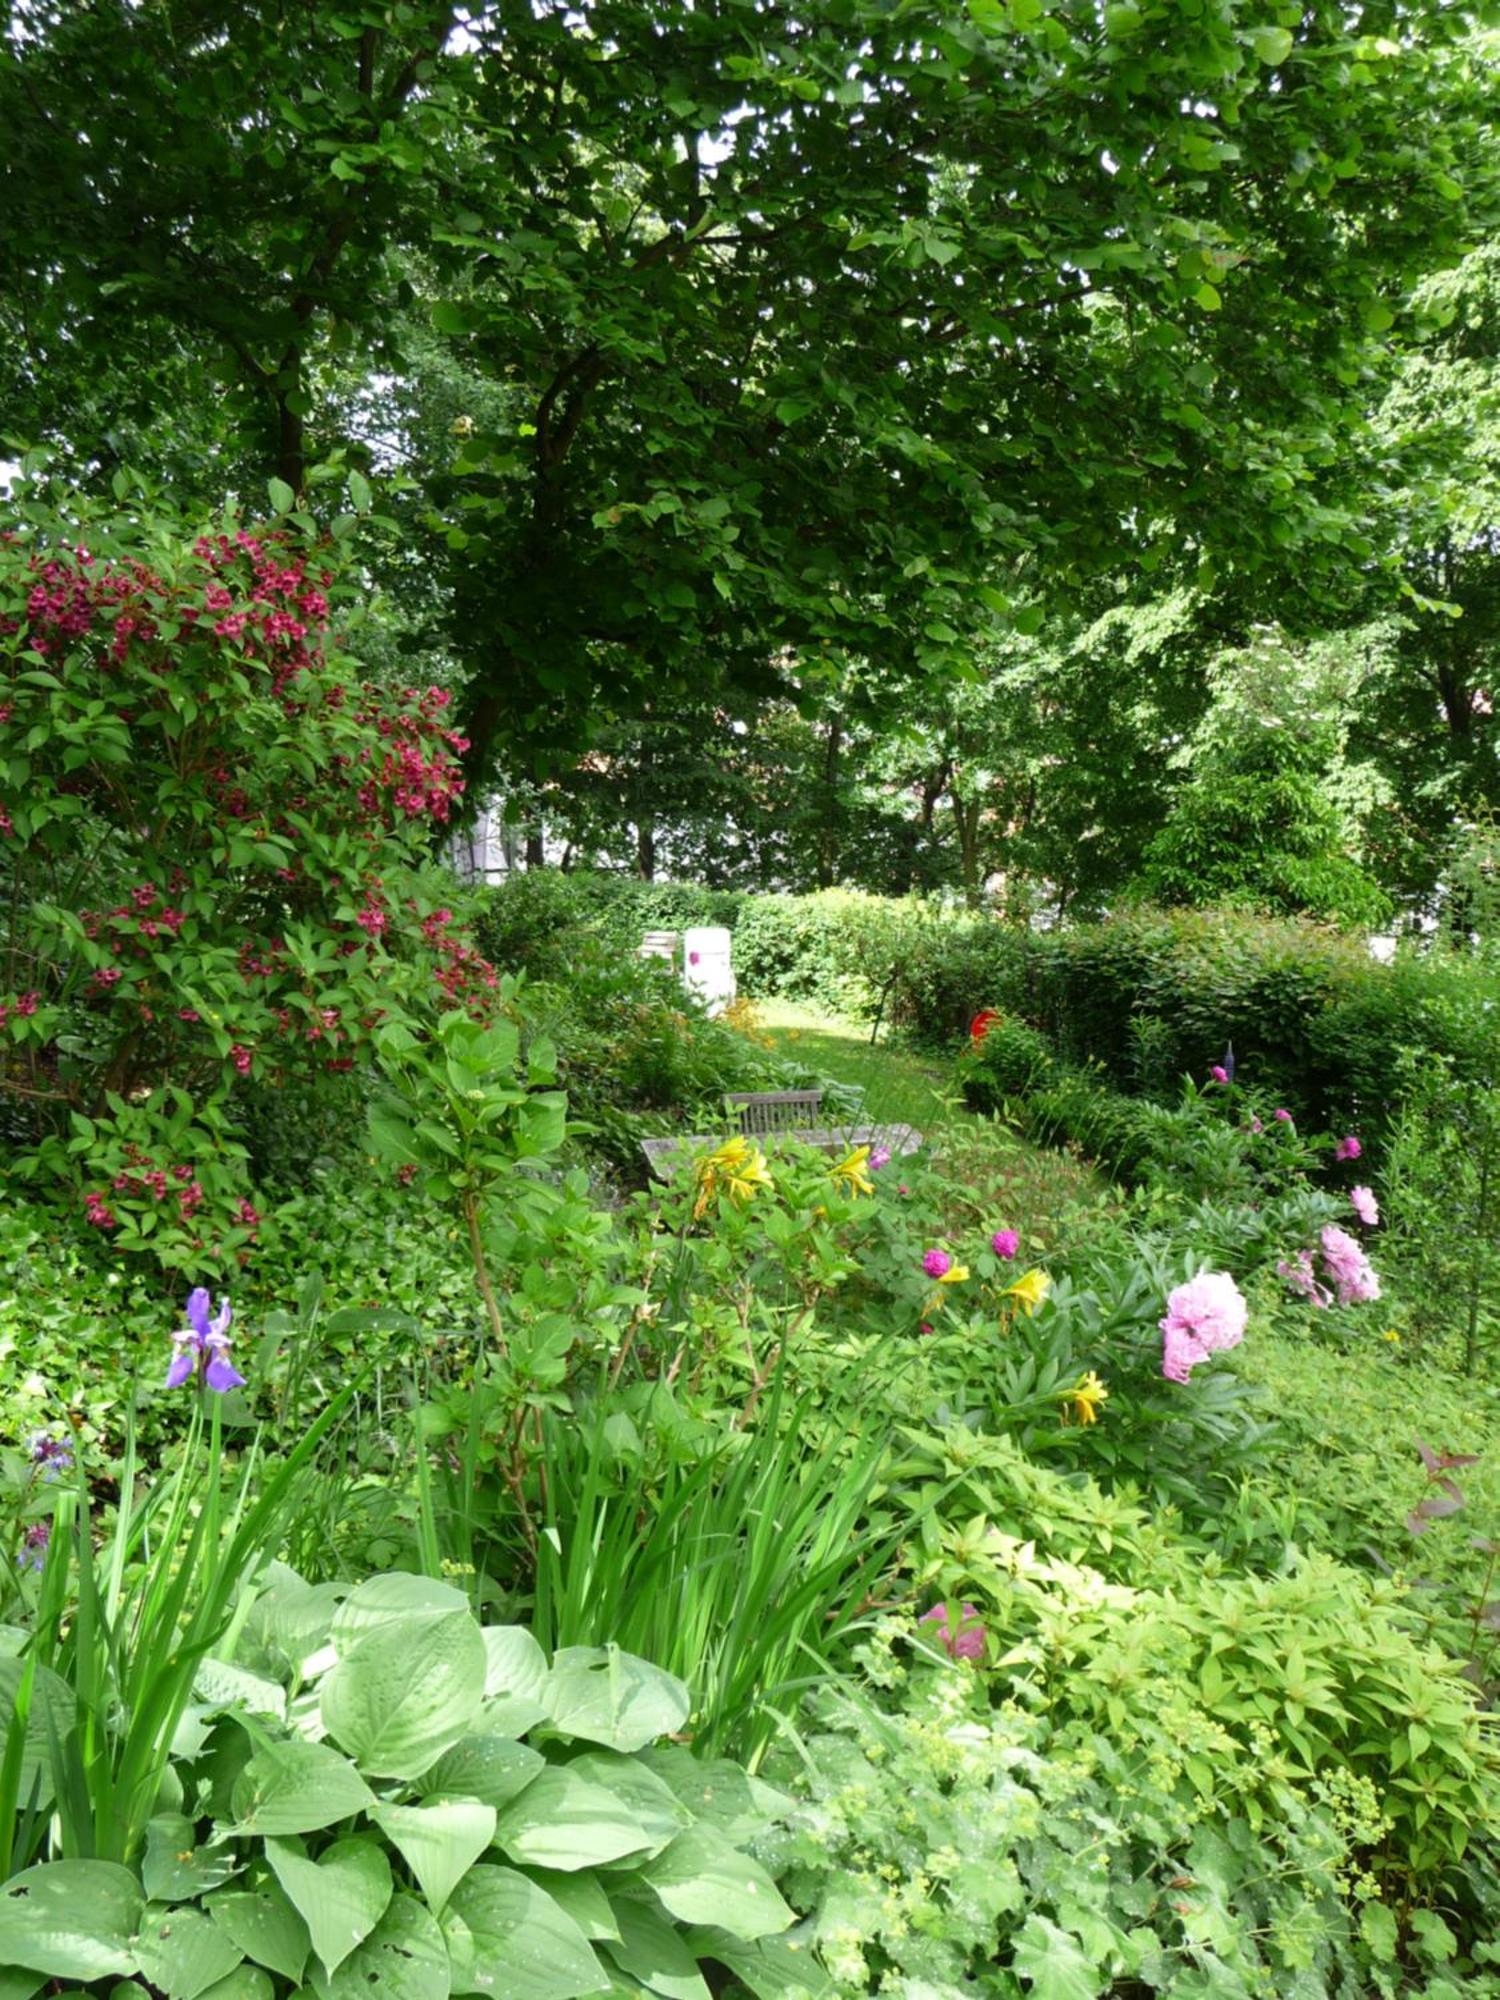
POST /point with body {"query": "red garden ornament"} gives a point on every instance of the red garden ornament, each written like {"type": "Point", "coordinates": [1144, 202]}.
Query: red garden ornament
{"type": "Point", "coordinates": [981, 1024]}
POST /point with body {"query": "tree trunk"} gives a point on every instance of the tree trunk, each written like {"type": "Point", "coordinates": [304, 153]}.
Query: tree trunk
{"type": "Point", "coordinates": [645, 850]}
{"type": "Point", "coordinates": [536, 856]}
{"type": "Point", "coordinates": [828, 837]}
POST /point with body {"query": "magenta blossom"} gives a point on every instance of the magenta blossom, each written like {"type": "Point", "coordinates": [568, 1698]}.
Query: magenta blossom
{"type": "Point", "coordinates": [1255, 1125]}
{"type": "Point", "coordinates": [1204, 1316]}
{"type": "Point", "coordinates": [1348, 1267]}
{"type": "Point", "coordinates": [1348, 1149]}
{"type": "Point", "coordinates": [880, 1156]}
{"type": "Point", "coordinates": [937, 1263]}
{"type": "Point", "coordinates": [202, 1347]}
{"type": "Point", "coordinates": [1005, 1242]}
{"type": "Point", "coordinates": [1219, 1073]}
{"type": "Point", "coordinates": [961, 1638]}
{"type": "Point", "coordinates": [34, 1545]}
{"type": "Point", "coordinates": [1299, 1275]}
{"type": "Point", "coordinates": [1362, 1201]}
{"type": "Point", "coordinates": [1282, 1114]}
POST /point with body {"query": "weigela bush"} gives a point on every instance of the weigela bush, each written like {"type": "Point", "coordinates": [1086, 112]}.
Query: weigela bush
{"type": "Point", "coordinates": [215, 834]}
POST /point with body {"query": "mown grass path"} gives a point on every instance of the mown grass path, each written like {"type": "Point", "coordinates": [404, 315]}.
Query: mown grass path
{"type": "Point", "coordinates": [899, 1087]}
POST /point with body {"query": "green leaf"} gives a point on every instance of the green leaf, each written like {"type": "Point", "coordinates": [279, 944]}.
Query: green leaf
{"type": "Point", "coordinates": [18, 1985]}
{"type": "Point", "coordinates": [582, 1896]}
{"type": "Point", "coordinates": [51, 1708]}
{"type": "Point", "coordinates": [515, 1673]}
{"type": "Point", "coordinates": [772, 1968]}
{"type": "Point", "coordinates": [403, 1958]}
{"type": "Point", "coordinates": [606, 1696]}
{"type": "Point", "coordinates": [448, 316]}
{"type": "Point", "coordinates": [283, 499]}
{"type": "Point", "coordinates": [488, 1768]}
{"type": "Point", "coordinates": [406, 1693]}
{"type": "Point", "coordinates": [1377, 1926]}
{"type": "Point", "coordinates": [246, 1982]}
{"type": "Point", "coordinates": [651, 1951]}
{"type": "Point", "coordinates": [639, 1788]}
{"type": "Point", "coordinates": [564, 1821]}
{"type": "Point", "coordinates": [525, 1946]}
{"type": "Point", "coordinates": [175, 1869]}
{"type": "Point", "coordinates": [265, 1927]}
{"type": "Point", "coordinates": [1055, 1963]}
{"type": "Point", "coordinates": [702, 1879]}
{"type": "Point", "coordinates": [341, 1896]}
{"type": "Point", "coordinates": [381, 1600]}
{"type": "Point", "coordinates": [296, 1787]}
{"type": "Point", "coordinates": [439, 1841]}
{"type": "Point", "coordinates": [72, 1919]}
{"type": "Point", "coordinates": [183, 1952]}
{"type": "Point", "coordinates": [1272, 45]}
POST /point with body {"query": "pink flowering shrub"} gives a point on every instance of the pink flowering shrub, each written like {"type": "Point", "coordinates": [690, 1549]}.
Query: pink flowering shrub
{"type": "Point", "coordinates": [1203, 1317]}
{"type": "Point", "coordinates": [217, 836]}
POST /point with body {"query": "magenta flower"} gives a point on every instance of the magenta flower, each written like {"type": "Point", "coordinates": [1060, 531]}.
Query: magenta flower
{"type": "Point", "coordinates": [1255, 1125]}
{"type": "Point", "coordinates": [203, 1346]}
{"type": "Point", "coordinates": [1348, 1149]}
{"type": "Point", "coordinates": [937, 1263]}
{"type": "Point", "coordinates": [880, 1156]}
{"type": "Point", "coordinates": [1219, 1073]}
{"type": "Point", "coordinates": [1362, 1201]}
{"type": "Point", "coordinates": [1282, 1114]}
{"type": "Point", "coordinates": [1347, 1265]}
{"type": "Point", "coordinates": [1203, 1317]}
{"type": "Point", "coordinates": [1005, 1242]}
{"type": "Point", "coordinates": [961, 1638]}
{"type": "Point", "coordinates": [1299, 1275]}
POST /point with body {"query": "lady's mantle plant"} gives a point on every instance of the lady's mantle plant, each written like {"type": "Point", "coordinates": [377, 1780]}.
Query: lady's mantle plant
{"type": "Point", "coordinates": [212, 831]}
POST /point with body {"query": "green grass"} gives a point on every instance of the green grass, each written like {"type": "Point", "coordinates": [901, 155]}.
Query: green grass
{"type": "Point", "coordinates": [900, 1088]}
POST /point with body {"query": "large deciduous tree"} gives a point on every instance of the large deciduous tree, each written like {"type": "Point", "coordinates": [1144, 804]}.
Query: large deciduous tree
{"type": "Point", "coordinates": [831, 329]}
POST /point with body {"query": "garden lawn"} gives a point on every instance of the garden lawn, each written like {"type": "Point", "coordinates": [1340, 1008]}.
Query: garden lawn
{"type": "Point", "coordinates": [899, 1087]}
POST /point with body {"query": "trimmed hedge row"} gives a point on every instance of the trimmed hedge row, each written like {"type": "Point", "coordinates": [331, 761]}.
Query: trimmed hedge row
{"type": "Point", "coordinates": [1145, 997]}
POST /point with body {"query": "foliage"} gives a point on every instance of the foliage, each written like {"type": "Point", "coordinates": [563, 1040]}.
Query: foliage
{"type": "Point", "coordinates": [735, 346]}
{"type": "Point", "coordinates": [352, 1794]}
{"type": "Point", "coordinates": [215, 840]}
{"type": "Point", "coordinates": [541, 920]}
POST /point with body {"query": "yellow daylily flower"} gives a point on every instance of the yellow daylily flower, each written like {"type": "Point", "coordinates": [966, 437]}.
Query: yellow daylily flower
{"type": "Point", "coordinates": [1029, 1291]}
{"type": "Point", "coordinates": [737, 1168]}
{"type": "Point", "coordinates": [1081, 1403]}
{"type": "Point", "coordinates": [852, 1172]}
{"type": "Point", "coordinates": [954, 1275]}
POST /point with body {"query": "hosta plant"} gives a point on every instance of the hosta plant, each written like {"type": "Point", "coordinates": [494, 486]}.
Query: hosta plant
{"type": "Point", "coordinates": [352, 1810]}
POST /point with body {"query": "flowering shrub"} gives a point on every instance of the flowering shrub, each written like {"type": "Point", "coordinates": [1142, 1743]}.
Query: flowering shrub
{"type": "Point", "coordinates": [216, 834]}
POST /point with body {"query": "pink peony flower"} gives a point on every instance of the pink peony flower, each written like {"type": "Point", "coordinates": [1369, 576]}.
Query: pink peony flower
{"type": "Point", "coordinates": [1348, 1267]}
{"type": "Point", "coordinates": [1255, 1125]}
{"type": "Point", "coordinates": [1203, 1316]}
{"type": "Point", "coordinates": [1005, 1242]}
{"type": "Point", "coordinates": [937, 1263]}
{"type": "Point", "coordinates": [1362, 1201]}
{"type": "Point", "coordinates": [1219, 1073]}
{"type": "Point", "coordinates": [1283, 1114]}
{"type": "Point", "coordinates": [961, 1638]}
{"type": "Point", "coordinates": [880, 1156]}
{"type": "Point", "coordinates": [1348, 1149]}
{"type": "Point", "coordinates": [1299, 1275]}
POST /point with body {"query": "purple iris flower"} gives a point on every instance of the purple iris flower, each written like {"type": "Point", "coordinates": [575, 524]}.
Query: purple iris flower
{"type": "Point", "coordinates": [203, 1346]}
{"type": "Point", "coordinates": [34, 1545]}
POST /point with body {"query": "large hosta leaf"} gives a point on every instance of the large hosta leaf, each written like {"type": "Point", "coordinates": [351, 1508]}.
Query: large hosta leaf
{"type": "Point", "coordinates": [341, 1896]}
{"type": "Point", "coordinates": [490, 1768]}
{"type": "Point", "coordinates": [183, 1953]}
{"type": "Point", "coordinates": [439, 1841]}
{"type": "Point", "coordinates": [563, 1821]}
{"type": "Point", "coordinates": [407, 1692]}
{"type": "Point", "coordinates": [524, 1946]}
{"type": "Point", "coordinates": [392, 1598]}
{"type": "Point", "coordinates": [265, 1926]}
{"type": "Point", "coordinates": [297, 1787]}
{"type": "Point", "coordinates": [702, 1879]}
{"type": "Point", "coordinates": [606, 1696]}
{"type": "Point", "coordinates": [403, 1958]}
{"type": "Point", "coordinates": [73, 1919]}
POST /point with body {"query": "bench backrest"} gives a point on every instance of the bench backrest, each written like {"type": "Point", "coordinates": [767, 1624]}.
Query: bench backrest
{"type": "Point", "coordinates": [773, 1110]}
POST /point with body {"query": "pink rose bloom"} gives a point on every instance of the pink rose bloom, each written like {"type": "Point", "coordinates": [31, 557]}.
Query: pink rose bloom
{"type": "Point", "coordinates": [1299, 1276]}
{"type": "Point", "coordinates": [1204, 1316]}
{"type": "Point", "coordinates": [1349, 1268]}
{"type": "Point", "coordinates": [1362, 1201]}
{"type": "Point", "coordinates": [961, 1638]}
{"type": "Point", "coordinates": [1005, 1242]}
{"type": "Point", "coordinates": [937, 1263]}
{"type": "Point", "coordinates": [1348, 1149]}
